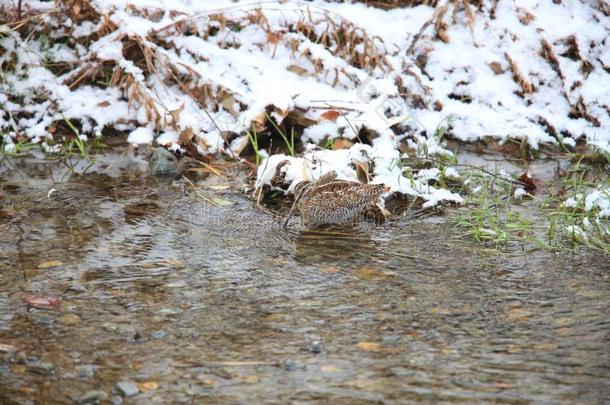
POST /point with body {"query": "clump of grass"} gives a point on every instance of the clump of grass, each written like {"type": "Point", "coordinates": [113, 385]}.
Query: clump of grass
{"type": "Point", "coordinates": [289, 142]}
{"type": "Point", "coordinates": [18, 149]}
{"type": "Point", "coordinates": [253, 137]}
{"type": "Point", "coordinates": [76, 143]}
{"type": "Point", "coordinates": [329, 143]}
{"type": "Point", "coordinates": [572, 224]}
{"type": "Point", "coordinates": [491, 216]}
{"type": "Point", "coordinates": [592, 157]}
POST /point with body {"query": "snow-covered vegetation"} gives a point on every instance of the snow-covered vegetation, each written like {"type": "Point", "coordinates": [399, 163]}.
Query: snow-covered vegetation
{"type": "Point", "coordinates": [310, 87]}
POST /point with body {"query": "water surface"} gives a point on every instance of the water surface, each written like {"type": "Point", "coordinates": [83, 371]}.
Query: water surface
{"type": "Point", "coordinates": [196, 303]}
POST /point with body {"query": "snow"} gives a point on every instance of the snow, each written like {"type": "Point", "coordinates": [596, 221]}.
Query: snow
{"type": "Point", "coordinates": [315, 163]}
{"type": "Point", "coordinates": [596, 200]}
{"type": "Point", "coordinates": [599, 199]}
{"type": "Point", "coordinates": [519, 193]}
{"type": "Point", "coordinates": [142, 135]}
{"type": "Point", "coordinates": [256, 59]}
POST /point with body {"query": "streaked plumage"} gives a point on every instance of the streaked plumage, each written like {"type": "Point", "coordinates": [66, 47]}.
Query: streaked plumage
{"type": "Point", "coordinates": [331, 201]}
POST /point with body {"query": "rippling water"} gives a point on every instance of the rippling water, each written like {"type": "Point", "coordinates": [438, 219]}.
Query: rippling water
{"type": "Point", "coordinates": [204, 304]}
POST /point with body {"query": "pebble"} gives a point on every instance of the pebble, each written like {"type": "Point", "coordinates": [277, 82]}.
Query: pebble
{"type": "Point", "coordinates": [109, 327]}
{"type": "Point", "coordinates": [85, 371]}
{"type": "Point", "coordinates": [77, 288]}
{"type": "Point", "coordinates": [170, 311]}
{"type": "Point", "coordinates": [401, 372]}
{"type": "Point", "coordinates": [40, 367]}
{"type": "Point", "coordinates": [92, 397]}
{"type": "Point", "coordinates": [223, 373]}
{"type": "Point", "coordinates": [74, 355]}
{"type": "Point", "coordinates": [116, 400]}
{"type": "Point", "coordinates": [163, 162]}
{"type": "Point", "coordinates": [69, 319]}
{"type": "Point", "coordinates": [315, 347]}
{"type": "Point", "coordinates": [159, 334]}
{"type": "Point", "coordinates": [7, 348]}
{"type": "Point", "coordinates": [290, 365]}
{"type": "Point", "coordinates": [390, 339]}
{"type": "Point", "coordinates": [127, 388]}
{"type": "Point", "coordinates": [21, 357]}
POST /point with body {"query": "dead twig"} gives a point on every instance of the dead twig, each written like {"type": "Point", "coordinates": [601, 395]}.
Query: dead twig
{"type": "Point", "coordinates": [440, 9]}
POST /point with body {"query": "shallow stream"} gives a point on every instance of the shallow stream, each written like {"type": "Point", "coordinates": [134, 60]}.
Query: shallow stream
{"type": "Point", "coordinates": [182, 301]}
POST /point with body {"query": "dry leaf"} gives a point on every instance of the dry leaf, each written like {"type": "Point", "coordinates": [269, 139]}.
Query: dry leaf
{"type": "Point", "coordinates": [274, 37]}
{"type": "Point", "coordinates": [525, 17]}
{"type": "Point", "coordinates": [330, 270]}
{"type": "Point", "coordinates": [228, 103]}
{"type": "Point", "coordinates": [330, 369]}
{"type": "Point", "coordinates": [297, 70]}
{"type": "Point", "coordinates": [148, 386]}
{"type": "Point", "coordinates": [362, 171]}
{"type": "Point", "coordinates": [342, 143]}
{"type": "Point", "coordinates": [50, 263]}
{"type": "Point", "coordinates": [330, 115]}
{"type": "Point", "coordinates": [528, 180]}
{"type": "Point", "coordinates": [369, 346]}
{"type": "Point", "coordinates": [186, 135]}
{"type": "Point", "coordinates": [251, 379]}
{"type": "Point", "coordinates": [259, 121]}
{"type": "Point", "coordinates": [41, 302]}
{"type": "Point", "coordinates": [496, 67]}
{"type": "Point", "coordinates": [202, 143]}
{"type": "Point", "coordinates": [367, 273]}
{"type": "Point", "coordinates": [175, 114]}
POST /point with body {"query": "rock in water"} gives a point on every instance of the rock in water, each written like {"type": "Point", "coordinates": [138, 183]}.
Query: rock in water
{"type": "Point", "coordinates": [127, 389]}
{"type": "Point", "coordinates": [92, 397]}
{"type": "Point", "coordinates": [163, 163]}
{"type": "Point", "coordinates": [40, 367]}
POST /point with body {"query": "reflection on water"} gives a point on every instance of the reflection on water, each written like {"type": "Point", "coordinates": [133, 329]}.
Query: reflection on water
{"type": "Point", "coordinates": [196, 303]}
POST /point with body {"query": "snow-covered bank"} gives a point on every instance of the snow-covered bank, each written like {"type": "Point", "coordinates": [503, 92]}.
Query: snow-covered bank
{"type": "Point", "coordinates": [198, 75]}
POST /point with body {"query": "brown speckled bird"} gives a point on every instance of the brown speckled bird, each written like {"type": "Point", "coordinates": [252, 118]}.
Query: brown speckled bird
{"type": "Point", "coordinates": [331, 201]}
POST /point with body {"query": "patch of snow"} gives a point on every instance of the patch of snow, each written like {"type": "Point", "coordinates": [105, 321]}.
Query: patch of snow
{"type": "Point", "coordinates": [141, 135]}
{"type": "Point", "coordinates": [519, 193]}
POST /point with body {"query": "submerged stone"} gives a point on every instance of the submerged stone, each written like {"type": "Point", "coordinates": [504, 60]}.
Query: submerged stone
{"type": "Point", "coordinates": [163, 163]}
{"type": "Point", "coordinates": [85, 371]}
{"type": "Point", "coordinates": [127, 388]}
{"type": "Point", "coordinates": [40, 367]}
{"type": "Point", "coordinates": [92, 397]}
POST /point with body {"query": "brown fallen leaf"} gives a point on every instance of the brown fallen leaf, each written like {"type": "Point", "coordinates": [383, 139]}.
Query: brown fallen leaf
{"type": "Point", "coordinates": [330, 270]}
{"type": "Point", "coordinates": [362, 171]}
{"type": "Point", "coordinates": [186, 135]}
{"type": "Point", "coordinates": [342, 143]}
{"type": "Point", "coordinates": [330, 115]}
{"type": "Point", "coordinates": [330, 369]}
{"type": "Point", "coordinates": [369, 346]}
{"type": "Point", "coordinates": [496, 67]}
{"type": "Point", "coordinates": [50, 263]}
{"type": "Point", "coordinates": [528, 181]}
{"type": "Point", "coordinates": [274, 37]}
{"type": "Point", "coordinates": [298, 70]}
{"type": "Point", "coordinates": [40, 302]}
{"type": "Point", "coordinates": [370, 274]}
{"type": "Point", "coordinates": [251, 379]}
{"type": "Point", "coordinates": [148, 386]}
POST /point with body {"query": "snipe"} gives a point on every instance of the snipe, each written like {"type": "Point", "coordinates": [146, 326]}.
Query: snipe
{"type": "Point", "coordinates": [331, 201]}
